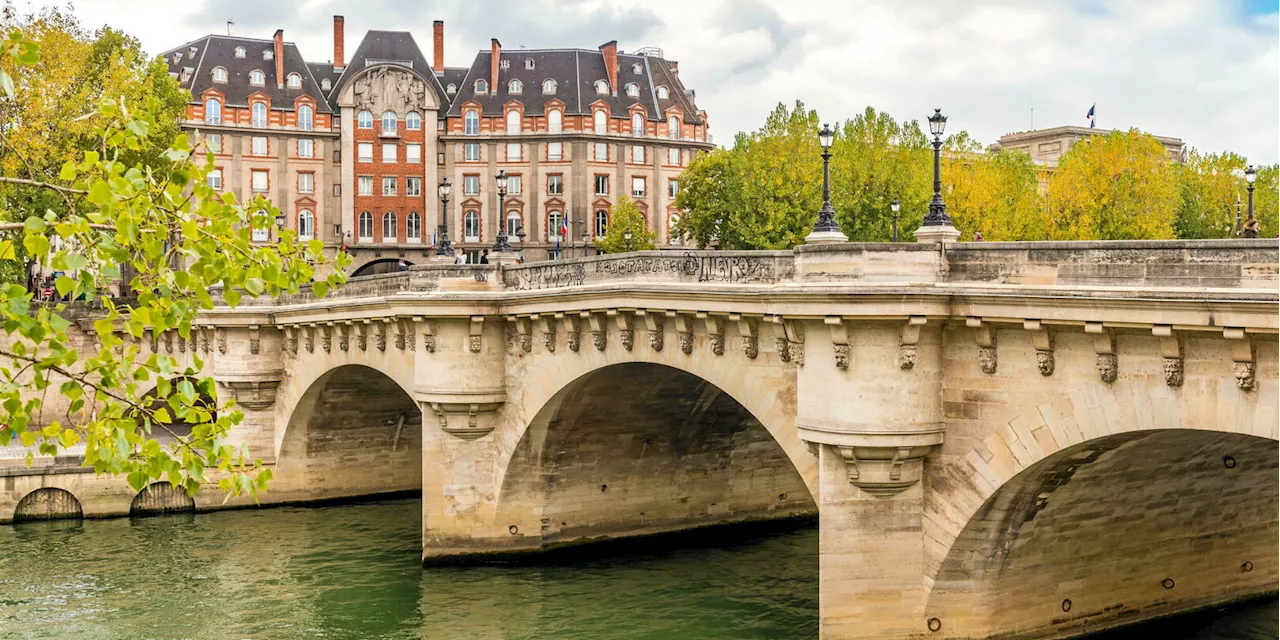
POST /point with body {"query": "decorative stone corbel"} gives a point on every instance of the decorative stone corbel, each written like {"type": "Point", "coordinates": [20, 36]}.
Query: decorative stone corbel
{"type": "Point", "coordinates": [626, 330]}
{"type": "Point", "coordinates": [750, 337]}
{"type": "Point", "coordinates": [309, 338]}
{"type": "Point", "coordinates": [524, 332]}
{"type": "Point", "coordinates": [1243, 356]}
{"type": "Point", "coordinates": [399, 339]}
{"type": "Point", "coordinates": [154, 341]}
{"type": "Point", "coordinates": [1042, 340]}
{"type": "Point", "coordinates": [291, 338]}
{"type": "Point", "coordinates": [475, 336]}
{"type": "Point", "coordinates": [362, 334]}
{"type": "Point", "coordinates": [219, 334]}
{"type": "Point", "coordinates": [909, 341]}
{"type": "Point", "coordinates": [653, 323]}
{"type": "Point", "coordinates": [255, 340]}
{"type": "Point", "coordinates": [207, 340]}
{"type": "Point", "coordinates": [780, 343]}
{"type": "Point", "coordinates": [881, 463]}
{"type": "Point", "coordinates": [380, 338]}
{"type": "Point", "coordinates": [344, 336]}
{"type": "Point", "coordinates": [547, 325]}
{"type": "Point", "coordinates": [573, 335]}
{"type": "Point", "coordinates": [794, 331]}
{"type": "Point", "coordinates": [410, 326]}
{"type": "Point", "coordinates": [326, 337]}
{"type": "Point", "coordinates": [255, 394]}
{"type": "Point", "coordinates": [840, 338]}
{"type": "Point", "coordinates": [715, 331]}
{"type": "Point", "coordinates": [428, 334]}
{"type": "Point", "coordinates": [1104, 344]}
{"type": "Point", "coordinates": [1171, 351]}
{"type": "Point", "coordinates": [684, 331]}
{"type": "Point", "coordinates": [599, 329]}
{"type": "Point", "coordinates": [182, 344]}
{"type": "Point", "coordinates": [168, 341]}
{"type": "Point", "coordinates": [986, 338]}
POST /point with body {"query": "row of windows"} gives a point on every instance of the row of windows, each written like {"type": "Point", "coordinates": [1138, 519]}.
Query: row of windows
{"type": "Point", "coordinates": [555, 185]}
{"type": "Point", "coordinates": [390, 184]}
{"type": "Point", "coordinates": [412, 121]}
{"type": "Point", "coordinates": [598, 152]}
{"type": "Point", "coordinates": [257, 78]}
{"type": "Point", "coordinates": [412, 222]}
{"type": "Point", "coordinates": [306, 227]}
{"type": "Point", "coordinates": [260, 180]}
{"type": "Point", "coordinates": [258, 114]}
{"type": "Point", "coordinates": [412, 153]}
{"type": "Point", "coordinates": [557, 229]}
{"type": "Point", "coordinates": [555, 123]}
{"type": "Point", "coordinates": [516, 87]}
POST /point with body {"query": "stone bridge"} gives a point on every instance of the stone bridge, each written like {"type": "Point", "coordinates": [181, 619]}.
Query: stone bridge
{"type": "Point", "coordinates": [998, 439]}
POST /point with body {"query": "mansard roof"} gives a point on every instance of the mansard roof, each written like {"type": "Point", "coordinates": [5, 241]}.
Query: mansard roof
{"type": "Point", "coordinates": [193, 64]}
{"type": "Point", "coordinates": [322, 71]}
{"type": "Point", "coordinates": [575, 72]}
{"type": "Point", "coordinates": [389, 47]}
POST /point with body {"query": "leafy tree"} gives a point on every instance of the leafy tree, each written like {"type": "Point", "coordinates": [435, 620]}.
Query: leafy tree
{"type": "Point", "coordinates": [1115, 187]}
{"type": "Point", "coordinates": [1266, 200]}
{"type": "Point", "coordinates": [996, 194]}
{"type": "Point", "coordinates": [709, 198]}
{"type": "Point", "coordinates": [54, 107]}
{"type": "Point", "coordinates": [876, 160]}
{"type": "Point", "coordinates": [626, 217]}
{"type": "Point", "coordinates": [114, 210]}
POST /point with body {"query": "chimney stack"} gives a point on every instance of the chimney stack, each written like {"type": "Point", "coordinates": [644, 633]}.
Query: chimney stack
{"type": "Point", "coordinates": [438, 65]}
{"type": "Point", "coordinates": [279, 56]}
{"type": "Point", "coordinates": [339, 57]}
{"type": "Point", "coordinates": [610, 51]}
{"type": "Point", "coordinates": [495, 53]}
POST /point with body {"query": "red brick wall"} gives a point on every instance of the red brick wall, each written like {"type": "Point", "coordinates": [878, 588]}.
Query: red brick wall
{"type": "Point", "coordinates": [378, 204]}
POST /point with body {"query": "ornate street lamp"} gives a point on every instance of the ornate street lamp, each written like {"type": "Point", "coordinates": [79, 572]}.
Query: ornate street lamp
{"type": "Point", "coordinates": [1250, 177]}
{"type": "Point", "coordinates": [937, 208]}
{"type": "Point", "coordinates": [501, 245]}
{"type": "Point", "coordinates": [626, 235]}
{"type": "Point", "coordinates": [827, 214]}
{"type": "Point", "coordinates": [895, 207]}
{"type": "Point", "coordinates": [279, 223]}
{"type": "Point", "coordinates": [443, 246]}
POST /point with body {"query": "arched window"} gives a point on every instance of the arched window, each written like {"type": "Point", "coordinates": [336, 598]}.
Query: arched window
{"type": "Point", "coordinates": [471, 226]}
{"type": "Point", "coordinates": [673, 128]}
{"type": "Point", "coordinates": [672, 236]}
{"type": "Point", "coordinates": [513, 122]}
{"type": "Point", "coordinates": [637, 124]}
{"type": "Point", "coordinates": [389, 226]}
{"type": "Point", "coordinates": [633, 90]}
{"type": "Point", "coordinates": [325, 85]}
{"type": "Point", "coordinates": [548, 87]}
{"type": "Point", "coordinates": [239, 52]}
{"type": "Point", "coordinates": [482, 86]}
{"type": "Point", "coordinates": [471, 123]}
{"type": "Point", "coordinates": [388, 122]}
{"type": "Point", "coordinates": [306, 225]}
{"type": "Point", "coordinates": [364, 119]}
{"type": "Point", "coordinates": [259, 115]}
{"type": "Point", "coordinates": [213, 111]}
{"type": "Point", "coordinates": [413, 121]}
{"type": "Point", "coordinates": [451, 89]}
{"type": "Point", "coordinates": [515, 86]}
{"type": "Point", "coordinates": [554, 121]}
{"type": "Point", "coordinates": [602, 123]}
{"type": "Point", "coordinates": [267, 54]}
{"type": "Point", "coordinates": [293, 81]}
{"type": "Point", "coordinates": [602, 87]}
{"type": "Point", "coordinates": [413, 227]}
{"type": "Point", "coordinates": [365, 229]}
{"type": "Point", "coordinates": [528, 63]}
{"type": "Point", "coordinates": [257, 78]}
{"type": "Point", "coordinates": [555, 226]}
{"type": "Point", "coordinates": [305, 119]}
{"type": "Point", "coordinates": [219, 74]}
{"type": "Point", "coordinates": [602, 223]}
{"type": "Point", "coordinates": [513, 225]}
{"type": "Point", "coordinates": [663, 94]}
{"type": "Point", "coordinates": [637, 69]}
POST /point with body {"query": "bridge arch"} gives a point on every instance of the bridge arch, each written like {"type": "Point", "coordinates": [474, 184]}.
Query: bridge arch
{"type": "Point", "coordinates": [378, 265]}
{"type": "Point", "coordinates": [633, 443]}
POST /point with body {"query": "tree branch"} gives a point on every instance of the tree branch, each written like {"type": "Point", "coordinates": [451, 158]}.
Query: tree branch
{"type": "Point", "coordinates": [42, 185]}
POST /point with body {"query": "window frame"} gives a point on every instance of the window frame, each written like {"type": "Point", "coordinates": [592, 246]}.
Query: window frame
{"type": "Point", "coordinates": [555, 121]}
{"type": "Point", "coordinates": [471, 122]}
{"type": "Point", "coordinates": [364, 222]}
{"type": "Point", "coordinates": [254, 120]}
{"type": "Point", "coordinates": [515, 87]}
{"type": "Point", "coordinates": [306, 225]}
{"type": "Point", "coordinates": [391, 218]}
{"type": "Point", "coordinates": [310, 145]}
{"type": "Point", "coordinates": [559, 155]}
{"type": "Point", "coordinates": [306, 123]}
{"type": "Point", "coordinates": [390, 186]}
{"type": "Point", "coordinates": [364, 119]}
{"type": "Point", "coordinates": [253, 146]}
{"type": "Point", "coordinates": [601, 223]}
{"type": "Point", "coordinates": [360, 156]}
{"type": "Point", "coordinates": [468, 217]}
{"type": "Point", "coordinates": [306, 176]}
{"type": "Point", "coordinates": [413, 158]}
{"type": "Point", "coordinates": [219, 74]}
{"type": "Point", "coordinates": [361, 182]}
{"type": "Point", "coordinates": [253, 180]}
{"type": "Point", "coordinates": [413, 121]}
{"type": "Point", "coordinates": [644, 187]}
{"type": "Point", "coordinates": [293, 81]}
{"type": "Point", "coordinates": [394, 153]}
{"type": "Point", "coordinates": [413, 227]}
{"type": "Point", "coordinates": [413, 186]}
{"type": "Point", "coordinates": [216, 120]}
{"type": "Point", "coordinates": [257, 78]}
{"type": "Point", "coordinates": [556, 179]}
{"type": "Point", "coordinates": [601, 180]}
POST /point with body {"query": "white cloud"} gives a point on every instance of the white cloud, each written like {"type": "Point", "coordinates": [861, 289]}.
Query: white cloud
{"type": "Point", "coordinates": [1204, 71]}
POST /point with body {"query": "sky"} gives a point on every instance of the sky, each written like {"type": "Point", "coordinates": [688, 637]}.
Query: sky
{"type": "Point", "coordinates": [1204, 71]}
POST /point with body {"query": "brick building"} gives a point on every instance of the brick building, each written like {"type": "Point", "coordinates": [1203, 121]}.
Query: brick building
{"type": "Point", "coordinates": [352, 150]}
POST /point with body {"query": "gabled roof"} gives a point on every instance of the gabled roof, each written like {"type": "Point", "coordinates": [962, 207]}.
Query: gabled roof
{"type": "Point", "coordinates": [575, 72]}
{"type": "Point", "coordinates": [322, 71]}
{"type": "Point", "coordinates": [199, 58]}
{"type": "Point", "coordinates": [453, 76]}
{"type": "Point", "coordinates": [389, 47]}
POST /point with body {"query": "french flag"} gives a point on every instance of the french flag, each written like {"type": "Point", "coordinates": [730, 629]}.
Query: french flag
{"type": "Point", "coordinates": [1089, 115]}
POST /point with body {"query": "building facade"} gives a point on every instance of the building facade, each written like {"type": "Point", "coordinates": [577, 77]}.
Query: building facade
{"type": "Point", "coordinates": [1046, 146]}
{"type": "Point", "coordinates": [353, 151]}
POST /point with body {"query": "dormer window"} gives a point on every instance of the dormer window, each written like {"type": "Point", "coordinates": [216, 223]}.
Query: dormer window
{"type": "Point", "coordinates": [325, 84]}
{"type": "Point", "coordinates": [219, 74]}
{"type": "Point", "coordinates": [637, 69]}
{"type": "Point", "coordinates": [293, 81]}
{"type": "Point", "coordinates": [482, 86]}
{"type": "Point", "coordinates": [257, 78]}
{"type": "Point", "coordinates": [504, 65]}
{"type": "Point", "coordinates": [633, 90]}
{"type": "Point", "coordinates": [602, 87]}
{"type": "Point", "coordinates": [528, 64]}
{"type": "Point", "coordinates": [267, 54]}
{"type": "Point", "coordinates": [515, 86]}
{"type": "Point", "coordinates": [364, 119]}
{"type": "Point", "coordinates": [451, 89]}
{"type": "Point", "coordinates": [177, 57]}
{"type": "Point", "coordinates": [548, 87]}
{"type": "Point", "coordinates": [663, 94]}
{"type": "Point", "coordinates": [239, 52]}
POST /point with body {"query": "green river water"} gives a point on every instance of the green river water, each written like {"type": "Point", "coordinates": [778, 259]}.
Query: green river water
{"type": "Point", "coordinates": [352, 572]}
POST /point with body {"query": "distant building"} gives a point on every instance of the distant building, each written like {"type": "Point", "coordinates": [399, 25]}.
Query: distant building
{"type": "Point", "coordinates": [352, 152]}
{"type": "Point", "coordinates": [1045, 146]}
